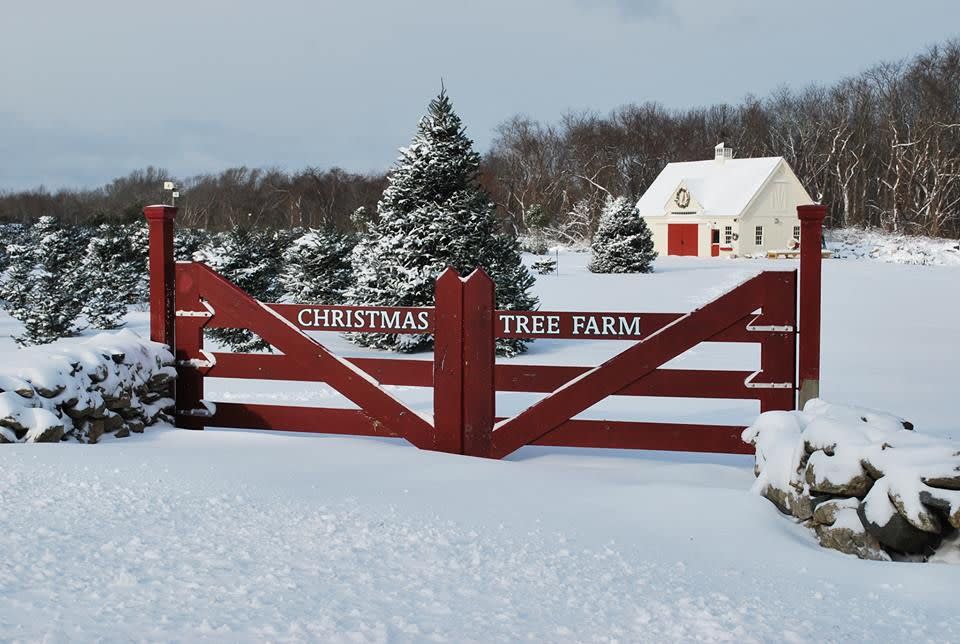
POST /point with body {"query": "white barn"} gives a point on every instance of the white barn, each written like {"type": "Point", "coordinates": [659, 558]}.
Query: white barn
{"type": "Point", "coordinates": [724, 207]}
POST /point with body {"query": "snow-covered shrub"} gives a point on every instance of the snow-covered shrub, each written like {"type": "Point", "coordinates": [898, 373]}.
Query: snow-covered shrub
{"type": "Point", "coordinates": [623, 242]}
{"type": "Point", "coordinates": [573, 229]}
{"type": "Point", "coordinates": [863, 480]}
{"type": "Point", "coordinates": [112, 383]}
{"type": "Point", "coordinates": [435, 214]}
{"type": "Point", "coordinates": [317, 268]}
{"type": "Point", "coordinates": [545, 266]}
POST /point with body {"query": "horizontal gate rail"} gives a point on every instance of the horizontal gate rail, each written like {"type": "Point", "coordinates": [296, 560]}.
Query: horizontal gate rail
{"type": "Point", "coordinates": [322, 420]}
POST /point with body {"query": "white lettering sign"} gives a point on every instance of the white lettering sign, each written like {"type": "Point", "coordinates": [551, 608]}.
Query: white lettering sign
{"type": "Point", "coordinates": [364, 319]}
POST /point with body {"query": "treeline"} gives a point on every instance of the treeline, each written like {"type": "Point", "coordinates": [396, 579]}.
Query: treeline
{"type": "Point", "coordinates": [243, 196]}
{"type": "Point", "coordinates": [881, 148]}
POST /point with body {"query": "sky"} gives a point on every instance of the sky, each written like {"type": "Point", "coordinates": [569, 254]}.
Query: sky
{"type": "Point", "coordinates": [92, 90]}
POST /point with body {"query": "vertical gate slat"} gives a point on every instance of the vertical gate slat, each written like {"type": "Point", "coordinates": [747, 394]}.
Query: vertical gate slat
{"type": "Point", "coordinates": [448, 363]}
{"type": "Point", "coordinates": [479, 354]}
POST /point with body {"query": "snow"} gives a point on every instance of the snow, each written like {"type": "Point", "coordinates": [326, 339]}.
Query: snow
{"type": "Point", "coordinates": [857, 243]}
{"type": "Point", "coordinates": [253, 536]}
{"type": "Point", "coordinates": [722, 189]}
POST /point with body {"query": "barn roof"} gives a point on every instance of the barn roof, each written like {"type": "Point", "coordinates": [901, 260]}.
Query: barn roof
{"type": "Point", "coordinates": [722, 188]}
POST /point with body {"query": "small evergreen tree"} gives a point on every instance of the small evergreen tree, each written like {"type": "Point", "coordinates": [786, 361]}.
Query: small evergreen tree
{"type": "Point", "coordinates": [434, 214]}
{"type": "Point", "coordinates": [15, 282]}
{"type": "Point", "coordinates": [110, 278]}
{"type": "Point", "coordinates": [623, 242]}
{"type": "Point", "coordinates": [52, 298]}
{"type": "Point", "coordinates": [317, 268]}
{"type": "Point", "coordinates": [251, 259]}
{"type": "Point", "coordinates": [188, 241]}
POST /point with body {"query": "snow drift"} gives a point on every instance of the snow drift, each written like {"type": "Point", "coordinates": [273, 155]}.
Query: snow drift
{"type": "Point", "coordinates": [112, 383]}
{"type": "Point", "coordinates": [863, 480]}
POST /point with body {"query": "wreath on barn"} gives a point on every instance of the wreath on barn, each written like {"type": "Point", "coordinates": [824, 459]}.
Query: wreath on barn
{"type": "Point", "coordinates": [683, 198]}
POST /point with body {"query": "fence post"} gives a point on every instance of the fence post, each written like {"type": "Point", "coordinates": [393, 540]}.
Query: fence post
{"type": "Point", "coordinates": [479, 354]}
{"type": "Point", "coordinates": [162, 273]}
{"type": "Point", "coordinates": [448, 363]}
{"type": "Point", "coordinates": [811, 235]}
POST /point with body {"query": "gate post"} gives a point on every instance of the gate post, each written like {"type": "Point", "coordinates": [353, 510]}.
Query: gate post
{"type": "Point", "coordinates": [448, 363]}
{"type": "Point", "coordinates": [479, 355]}
{"type": "Point", "coordinates": [811, 235]}
{"type": "Point", "coordinates": [162, 273]}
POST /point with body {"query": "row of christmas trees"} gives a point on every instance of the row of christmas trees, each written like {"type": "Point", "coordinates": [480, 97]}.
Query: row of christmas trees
{"type": "Point", "coordinates": [433, 214]}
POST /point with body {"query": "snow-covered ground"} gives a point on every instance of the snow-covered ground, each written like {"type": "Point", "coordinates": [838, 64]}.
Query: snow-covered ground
{"type": "Point", "coordinates": [254, 536]}
{"type": "Point", "coordinates": [852, 243]}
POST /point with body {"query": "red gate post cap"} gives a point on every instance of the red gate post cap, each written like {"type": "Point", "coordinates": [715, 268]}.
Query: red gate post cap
{"type": "Point", "coordinates": [812, 212]}
{"type": "Point", "coordinates": [160, 212]}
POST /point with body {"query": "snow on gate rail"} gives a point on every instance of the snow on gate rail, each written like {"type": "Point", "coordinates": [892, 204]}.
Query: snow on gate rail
{"type": "Point", "coordinates": [187, 298]}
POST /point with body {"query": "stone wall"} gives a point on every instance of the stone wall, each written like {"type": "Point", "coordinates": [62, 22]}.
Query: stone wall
{"type": "Point", "coordinates": [864, 481]}
{"type": "Point", "coordinates": [109, 384]}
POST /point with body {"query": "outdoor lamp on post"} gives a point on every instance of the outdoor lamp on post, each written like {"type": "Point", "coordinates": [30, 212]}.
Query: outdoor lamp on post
{"type": "Point", "coordinates": [170, 187]}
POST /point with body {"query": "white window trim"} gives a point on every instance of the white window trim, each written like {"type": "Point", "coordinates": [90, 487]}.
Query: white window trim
{"type": "Point", "coordinates": [758, 236]}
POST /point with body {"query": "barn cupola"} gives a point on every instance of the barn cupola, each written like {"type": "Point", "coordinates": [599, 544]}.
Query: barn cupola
{"type": "Point", "coordinates": [721, 153]}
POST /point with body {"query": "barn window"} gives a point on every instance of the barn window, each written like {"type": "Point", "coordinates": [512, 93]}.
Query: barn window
{"type": "Point", "coordinates": [727, 234]}
{"type": "Point", "coordinates": [796, 233]}
{"type": "Point", "coordinates": [758, 237]}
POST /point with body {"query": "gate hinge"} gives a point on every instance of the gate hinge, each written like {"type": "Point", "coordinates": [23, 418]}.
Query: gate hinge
{"type": "Point", "coordinates": [197, 314]}
{"type": "Point", "coordinates": [749, 384]}
{"type": "Point", "coordinates": [785, 328]}
{"type": "Point", "coordinates": [196, 363]}
{"type": "Point", "coordinates": [207, 411]}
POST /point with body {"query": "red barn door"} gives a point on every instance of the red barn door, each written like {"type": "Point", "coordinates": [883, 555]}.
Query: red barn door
{"type": "Point", "coordinates": [682, 239]}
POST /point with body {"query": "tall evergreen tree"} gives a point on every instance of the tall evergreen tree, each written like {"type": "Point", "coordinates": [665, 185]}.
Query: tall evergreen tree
{"type": "Point", "coordinates": [434, 214]}
{"type": "Point", "coordinates": [317, 268]}
{"type": "Point", "coordinates": [623, 242]}
{"type": "Point", "coordinates": [251, 259]}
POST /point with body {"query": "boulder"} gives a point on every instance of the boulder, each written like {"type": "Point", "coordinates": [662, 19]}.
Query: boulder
{"type": "Point", "coordinates": [95, 429]}
{"type": "Point", "coordinates": [847, 535]}
{"type": "Point", "coordinates": [7, 436]}
{"type": "Point", "coordinates": [944, 482]}
{"type": "Point", "coordinates": [790, 502]}
{"type": "Point", "coordinates": [112, 422]}
{"type": "Point", "coordinates": [827, 475]}
{"type": "Point", "coordinates": [825, 513]}
{"type": "Point", "coordinates": [51, 434]}
{"type": "Point", "coordinates": [922, 520]}
{"type": "Point", "coordinates": [946, 501]}
{"type": "Point", "coordinates": [891, 529]}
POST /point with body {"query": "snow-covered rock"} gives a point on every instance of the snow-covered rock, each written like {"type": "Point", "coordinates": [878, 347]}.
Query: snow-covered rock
{"type": "Point", "coordinates": [863, 478]}
{"type": "Point", "coordinates": [111, 383]}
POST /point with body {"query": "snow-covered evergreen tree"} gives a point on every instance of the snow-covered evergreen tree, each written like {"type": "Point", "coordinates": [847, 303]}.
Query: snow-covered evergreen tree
{"type": "Point", "coordinates": [623, 242]}
{"type": "Point", "coordinates": [136, 259]}
{"type": "Point", "coordinates": [111, 276]}
{"type": "Point", "coordinates": [317, 268]}
{"type": "Point", "coordinates": [52, 297]}
{"type": "Point", "coordinates": [188, 241]}
{"type": "Point", "coordinates": [15, 281]}
{"type": "Point", "coordinates": [434, 214]}
{"type": "Point", "coordinates": [251, 259]}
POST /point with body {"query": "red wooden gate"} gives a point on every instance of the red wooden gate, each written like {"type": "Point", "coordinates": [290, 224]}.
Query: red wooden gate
{"type": "Point", "coordinates": [464, 375]}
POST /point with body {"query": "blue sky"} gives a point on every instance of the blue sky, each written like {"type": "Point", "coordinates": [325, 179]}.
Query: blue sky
{"type": "Point", "coordinates": [91, 90]}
